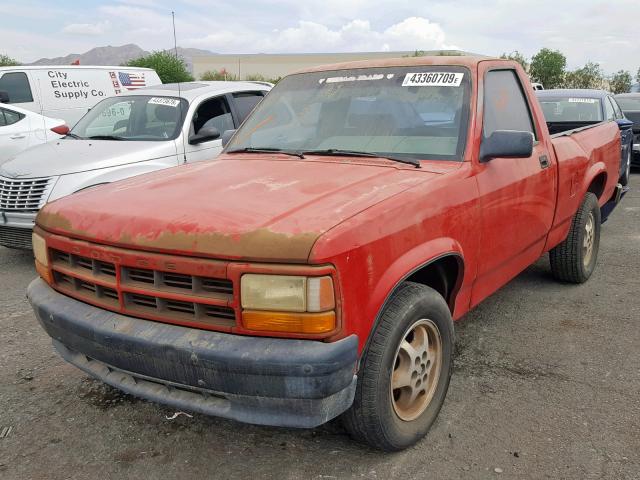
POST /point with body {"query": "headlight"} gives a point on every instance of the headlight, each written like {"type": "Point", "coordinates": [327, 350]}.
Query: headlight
{"type": "Point", "coordinates": [41, 256]}
{"type": "Point", "coordinates": [288, 303]}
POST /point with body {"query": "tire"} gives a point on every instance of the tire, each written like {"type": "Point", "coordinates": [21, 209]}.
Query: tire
{"type": "Point", "coordinates": [571, 261]}
{"type": "Point", "coordinates": [375, 417]}
{"type": "Point", "coordinates": [624, 179]}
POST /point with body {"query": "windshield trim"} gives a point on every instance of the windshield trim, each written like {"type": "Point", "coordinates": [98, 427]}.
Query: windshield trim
{"type": "Point", "coordinates": [464, 135]}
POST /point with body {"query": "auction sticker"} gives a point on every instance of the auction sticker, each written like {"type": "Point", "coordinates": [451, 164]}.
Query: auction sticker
{"type": "Point", "coordinates": [169, 102]}
{"type": "Point", "coordinates": [583, 100]}
{"type": "Point", "coordinates": [433, 79]}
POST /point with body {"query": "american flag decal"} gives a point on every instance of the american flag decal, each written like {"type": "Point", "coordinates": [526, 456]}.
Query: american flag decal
{"type": "Point", "coordinates": [131, 81]}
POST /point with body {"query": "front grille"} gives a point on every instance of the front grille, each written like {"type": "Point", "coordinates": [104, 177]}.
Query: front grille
{"type": "Point", "coordinates": [27, 195]}
{"type": "Point", "coordinates": [14, 237]}
{"type": "Point", "coordinates": [148, 293]}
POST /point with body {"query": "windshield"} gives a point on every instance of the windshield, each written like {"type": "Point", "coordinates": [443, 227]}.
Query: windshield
{"type": "Point", "coordinates": [568, 109]}
{"type": "Point", "coordinates": [136, 117]}
{"type": "Point", "coordinates": [629, 103]}
{"type": "Point", "coordinates": [415, 112]}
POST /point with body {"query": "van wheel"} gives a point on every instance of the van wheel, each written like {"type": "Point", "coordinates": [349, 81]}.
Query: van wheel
{"type": "Point", "coordinates": [405, 372]}
{"type": "Point", "coordinates": [575, 259]}
{"type": "Point", "coordinates": [624, 179]}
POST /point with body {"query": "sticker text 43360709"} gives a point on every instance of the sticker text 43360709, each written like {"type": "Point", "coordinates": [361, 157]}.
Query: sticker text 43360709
{"type": "Point", "coordinates": [433, 79]}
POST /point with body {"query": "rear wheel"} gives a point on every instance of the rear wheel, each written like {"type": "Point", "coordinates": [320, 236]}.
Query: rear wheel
{"type": "Point", "coordinates": [624, 179]}
{"type": "Point", "coordinates": [405, 372]}
{"type": "Point", "coordinates": [575, 259]}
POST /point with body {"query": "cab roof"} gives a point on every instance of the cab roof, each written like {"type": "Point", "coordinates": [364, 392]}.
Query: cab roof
{"type": "Point", "coordinates": [469, 61]}
{"type": "Point", "coordinates": [192, 90]}
{"type": "Point", "coordinates": [74, 67]}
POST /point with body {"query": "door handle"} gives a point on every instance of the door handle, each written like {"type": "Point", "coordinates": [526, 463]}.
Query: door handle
{"type": "Point", "coordinates": [17, 136]}
{"type": "Point", "coordinates": [544, 161]}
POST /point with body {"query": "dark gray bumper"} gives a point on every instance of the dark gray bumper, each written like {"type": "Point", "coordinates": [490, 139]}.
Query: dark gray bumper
{"type": "Point", "coordinates": [282, 382]}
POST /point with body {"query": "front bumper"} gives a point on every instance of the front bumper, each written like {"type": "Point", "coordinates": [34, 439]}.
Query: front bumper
{"type": "Point", "coordinates": [281, 382]}
{"type": "Point", "coordinates": [16, 228]}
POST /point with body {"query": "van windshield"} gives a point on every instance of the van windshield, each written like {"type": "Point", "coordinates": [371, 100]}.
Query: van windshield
{"type": "Point", "coordinates": [418, 112]}
{"type": "Point", "coordinates": [134, 117]}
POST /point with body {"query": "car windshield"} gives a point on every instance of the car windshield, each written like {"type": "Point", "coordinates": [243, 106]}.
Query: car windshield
{"type": "Point", "coordinates": [134, 117]}
{"type": "Point", "coordinates": [629, 103]}
{"type": "Point", "coordinates": [570, 109]}
{"type": "Point", "coordinates": [415, 112]}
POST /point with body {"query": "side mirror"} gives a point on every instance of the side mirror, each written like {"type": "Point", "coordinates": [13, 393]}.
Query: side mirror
{"type": "Point", "coordinates": [4, 97]}
{"type": "Point", "coordinates": [506, 143]}
{"type": "Point", "coordinates": [226, 136]}
{"type": "Point", "coordinates": [624, 123]}
{"type": "Point", "coordinates": [205, 134]}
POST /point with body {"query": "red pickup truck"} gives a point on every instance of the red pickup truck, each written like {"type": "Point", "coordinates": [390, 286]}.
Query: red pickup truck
{"type": "Point", "coordinates": [315, 269]}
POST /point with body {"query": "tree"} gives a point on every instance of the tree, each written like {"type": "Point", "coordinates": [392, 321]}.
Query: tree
{"type": "Point", "coordinates": [547, 67]}
{"type": "Point", "coordinates": [169, 67]}
{"type": "Point", "coordinates": [620, 82]}
{"type": "Point", "coordinates": [518, 57]}
{"type": "Point", "coordinates": [589, 76]}
{"type": "Point", "coordinates": [638, 76]}
{"type": "Point", "coordinates": [7, 61]}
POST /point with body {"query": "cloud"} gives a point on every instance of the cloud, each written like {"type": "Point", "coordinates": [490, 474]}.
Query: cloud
{"type": "Point", "coordinates": [87, 28]}
{"type": "Point", "coordinates": [413, 33]}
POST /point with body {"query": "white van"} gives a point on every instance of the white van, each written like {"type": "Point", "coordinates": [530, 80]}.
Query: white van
{"type": "Point", "coordinates": [67, 92]}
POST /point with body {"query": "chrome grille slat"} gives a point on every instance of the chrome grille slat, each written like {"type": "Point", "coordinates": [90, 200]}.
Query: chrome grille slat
{"type": "Point", "coordinates": [23, 195]}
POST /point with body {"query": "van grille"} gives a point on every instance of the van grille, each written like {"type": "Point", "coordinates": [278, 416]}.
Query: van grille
{"type": "Point", "coordinates": [27, 195]}
{"type": "Point", "coordinates": [148, 293]}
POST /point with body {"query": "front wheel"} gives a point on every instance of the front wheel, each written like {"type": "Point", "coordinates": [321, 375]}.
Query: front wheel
{"type": "Point", "coordinates": [405, 372]}
{"type": "Point", "coordinates": [574, 260]}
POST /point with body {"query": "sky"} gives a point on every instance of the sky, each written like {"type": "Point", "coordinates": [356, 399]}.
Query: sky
{"type": "Point", "coordinates": [584, 30]}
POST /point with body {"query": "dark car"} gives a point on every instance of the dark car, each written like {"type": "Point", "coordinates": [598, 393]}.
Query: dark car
{"type": "Point", "coordinates": [566, 109]}
{"type": "Point", "coordinates": [630, 105]}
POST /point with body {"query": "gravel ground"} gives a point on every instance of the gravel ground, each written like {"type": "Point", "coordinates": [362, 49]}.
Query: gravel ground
{"type": "Point", "coordinates": [546, 385]}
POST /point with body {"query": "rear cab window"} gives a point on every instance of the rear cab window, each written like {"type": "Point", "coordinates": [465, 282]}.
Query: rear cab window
{"type": "Point", "coordinates": [9, 117]}
{"type": "Point", "coordinates": [505, 104]}
{"type": "Point", "coordinates": [16, 84]}
{"type": "Point", "coordinates": [245, 102]}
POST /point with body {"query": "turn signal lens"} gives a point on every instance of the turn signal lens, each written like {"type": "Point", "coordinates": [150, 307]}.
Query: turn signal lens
{"type": "Point", "coordinates": [40, 249]}
{"type": "Point", "coordinates": [307, 323]}
{"type": "Point", "coordinates": [320, 296]}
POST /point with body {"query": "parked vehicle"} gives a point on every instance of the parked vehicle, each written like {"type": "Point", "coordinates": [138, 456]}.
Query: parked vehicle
{"type": "Point", "coordinates": [21, 129]}
{"type": "Point", "coordinates": [567, 109]}
{"type": "Point", "coordinates": [316, 268]}
{"type": "Point", "coordinates": [68, 91]}
{"type": "Point", "coordinates": [146, 130]}
{"type": "Point", "coordinates": [537, 86]}
{"type": "Point", "coordinates": [630, 105]}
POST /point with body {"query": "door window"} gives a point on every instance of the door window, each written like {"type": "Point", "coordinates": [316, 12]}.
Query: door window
{"type": "Point", "coordinates": [16, 84]}
{"type": "Point", "coordinates": [608, 108]}
{"type": "Point", "coordinates": [8, 117]}
{"type": "Point", "coordinates": [246, 102]}
{"type": "Point", "coordinates": [505, 105]}
{"type": "Point", "coordinates": [214, 112]}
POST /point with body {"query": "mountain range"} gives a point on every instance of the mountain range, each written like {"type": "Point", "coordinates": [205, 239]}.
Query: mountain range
{"type": "Point", "coordinates": [116, 56]}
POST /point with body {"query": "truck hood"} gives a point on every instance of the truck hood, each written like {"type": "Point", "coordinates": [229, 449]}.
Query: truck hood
{"type": "Point", "coordinates": [267, 208]}
{"type": "Point", "coordinates": [66, 156]}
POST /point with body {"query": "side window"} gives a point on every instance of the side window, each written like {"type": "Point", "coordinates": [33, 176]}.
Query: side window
{"type": "Point", "coordinates": [10, 117]}
{"type": "Point", "coordinates": [16, 84]}
{"type": "Point", "coordinates": [616, 108]}
{"type": "Point", "coordinates": [608, 109]}
{"type": "Point", "coordinates": [246, 102]}
{"type": "Point", "coordinates": [214, 112]}
{"type": "Point", "coordinates": [505, 105]}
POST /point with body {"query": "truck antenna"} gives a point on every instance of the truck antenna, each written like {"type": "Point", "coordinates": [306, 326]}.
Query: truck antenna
{"type": "Point", "coordinates": [175, 50]}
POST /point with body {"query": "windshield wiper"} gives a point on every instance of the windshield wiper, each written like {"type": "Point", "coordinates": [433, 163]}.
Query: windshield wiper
{"type": "Point", "coordinates": [105, 137]}
{"type": "Point", "coordinates": [356, 153]}
{"type": "Point", "coordinates": [73, 135]}
{"type": "Point", "coordinates": [293, 153]}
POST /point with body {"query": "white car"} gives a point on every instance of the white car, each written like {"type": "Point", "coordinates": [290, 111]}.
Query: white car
{"type": "Point", "coordinates": [21, 129]}
{"type": "Point", "coordinates": [122, 136]}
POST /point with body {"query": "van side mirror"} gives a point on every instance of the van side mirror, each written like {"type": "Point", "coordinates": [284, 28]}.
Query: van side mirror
{"type": "Point", "coordinates": [226, 136]}
{"type": "Point", "coordinates": [506, 143]}
{"type": "Point", "coordinates": [205, 134]}
{"type": "Point", "coordinates": [4, 97]}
